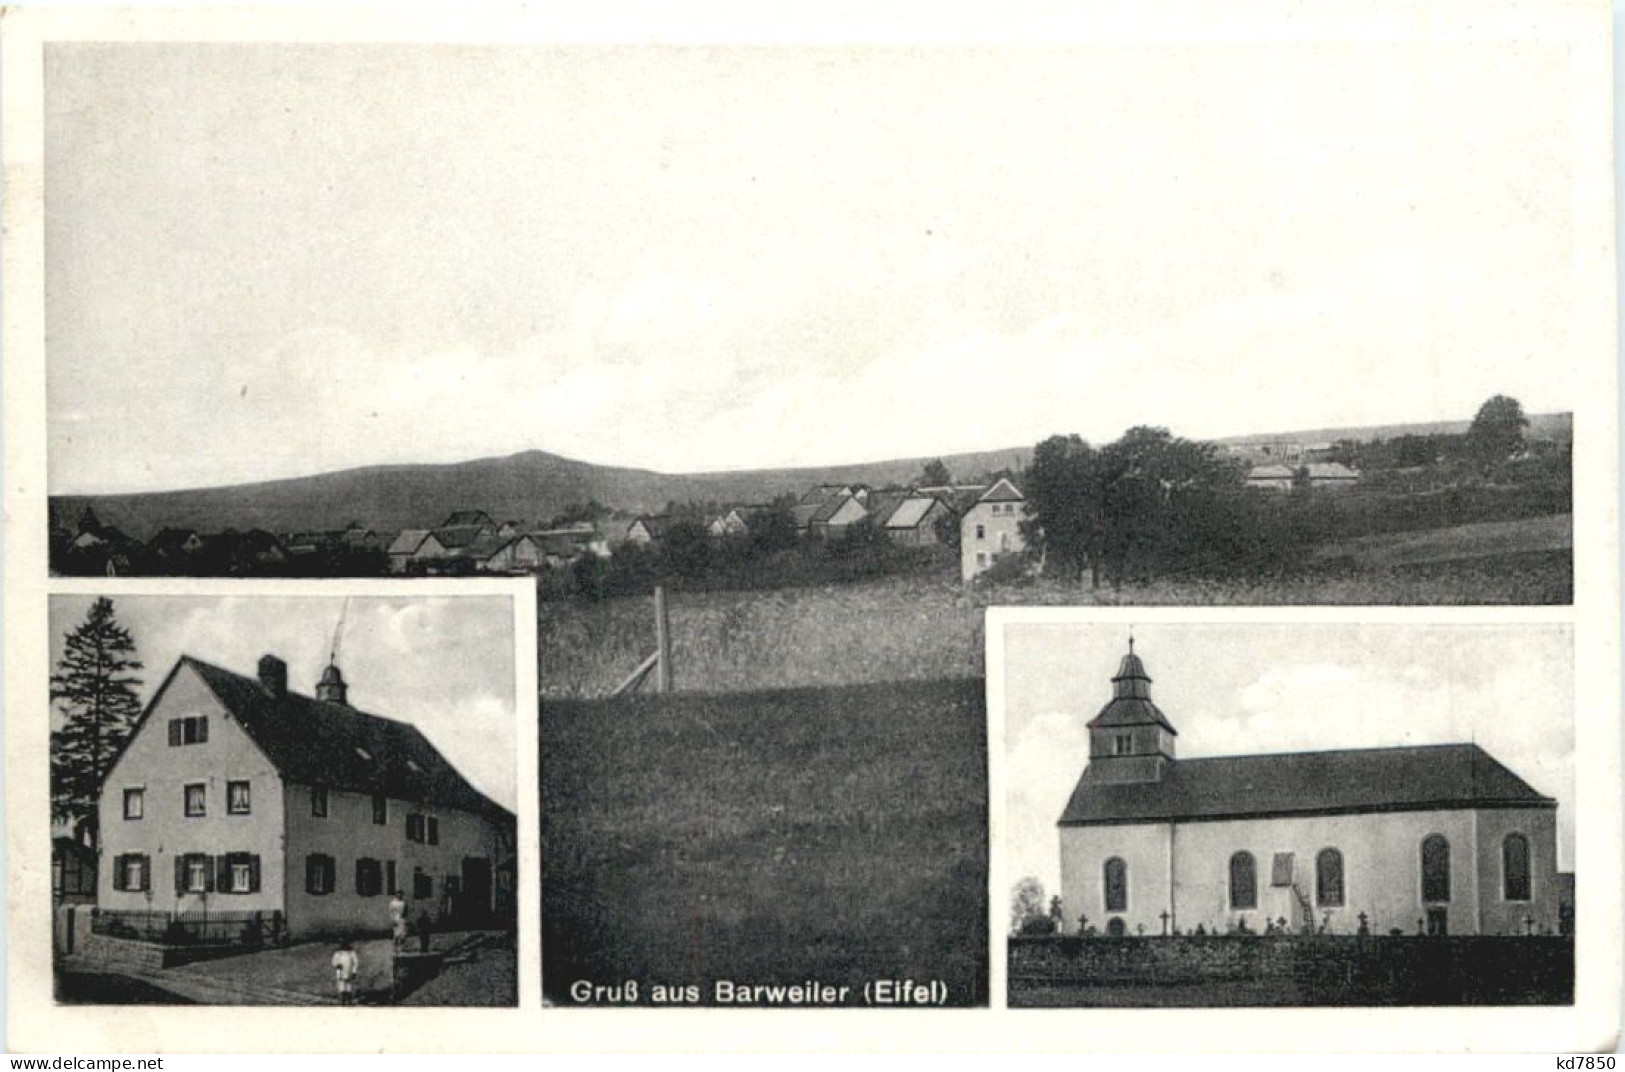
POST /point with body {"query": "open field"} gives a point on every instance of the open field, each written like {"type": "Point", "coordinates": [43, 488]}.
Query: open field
{"type": "Point", "coordinates": [833, 834]}
{"type": "Point", "coordinates": [1553, 532]}
{"type": "Point", "coordinates": [930, 627]}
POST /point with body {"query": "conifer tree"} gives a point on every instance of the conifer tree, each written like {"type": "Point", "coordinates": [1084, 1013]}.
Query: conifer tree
{"type": "Point", "coordinates": [94, 688]}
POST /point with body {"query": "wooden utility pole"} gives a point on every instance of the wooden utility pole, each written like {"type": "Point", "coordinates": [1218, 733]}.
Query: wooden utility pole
{"type": "Point", "coordinates": [662, 642]}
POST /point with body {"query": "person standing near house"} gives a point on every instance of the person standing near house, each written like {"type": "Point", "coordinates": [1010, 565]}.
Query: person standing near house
{"type": "Point", "coordinates": [346, 966]}
{"type": "Point", "coordinates": [397, 920]}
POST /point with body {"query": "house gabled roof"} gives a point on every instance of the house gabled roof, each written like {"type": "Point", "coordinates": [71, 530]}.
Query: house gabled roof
{"type": "Point", "coordinates": [1415, 778]}
{"type": "Point", "coordinates": [460, 537]}
{"type": "Point", "coordinates": [1330, 471]}
{"type": "Point", "coordinates": [459, 518]}
{"type": "Point", "coordinates": [804, 513]}
{"type": "Point", "coordinates": [312, 742]}
{"type": "Point", "coordinates": [1003, 491]}
{"type": "Point", "coordinates": [1270, 472]}
{"type": "Point", "coordinates": [408, 542]}
{"type": "Point", "coordinates": [911, 512]}
{"type": "Point", "coordinates": [654, 524]}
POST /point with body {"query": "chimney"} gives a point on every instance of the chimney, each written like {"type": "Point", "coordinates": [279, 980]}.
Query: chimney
{"type": "Point", "coordinates": [273, 676]}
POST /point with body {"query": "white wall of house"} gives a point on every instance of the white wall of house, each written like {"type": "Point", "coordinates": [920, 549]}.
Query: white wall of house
{"type": "Point", "coordinates": [348, 833]}
{"type": "Point", "coordinates": [988, 530]}
{"type": "Point", "coordinates": [1381, 870]}
{"type": "Point", "coordinates": [164, 831]}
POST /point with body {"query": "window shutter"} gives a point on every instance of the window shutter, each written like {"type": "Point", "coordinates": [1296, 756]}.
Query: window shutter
{"type": "Point", "coordinates": [222, 873]}
{"type": "Point", "coordinates": [389, 869]}
{"type": "Point", "coordinates": [180, 873]}
{"type": "Point", "coordinates": [146, 872]}
{"type": "Point", "coordinates": [118, 872]}
{"type": "Point", "coordinates": [434, 830]}
{"type": "Point", "coordinates": [253, 874]}
{"type": "Point", "coordinates": [208, 873]}
{"type": "Point", "coordinates": [174, 732]}
{"type": "Point", "coordinates": [203, 730]}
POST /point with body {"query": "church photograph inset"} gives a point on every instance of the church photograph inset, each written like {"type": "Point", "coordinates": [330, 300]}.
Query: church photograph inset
{"type": "Point", "coordinates": [1289, 814]}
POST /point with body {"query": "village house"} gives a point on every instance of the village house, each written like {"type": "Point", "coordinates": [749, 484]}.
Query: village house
{"type": "Point", "coordinates": [991, 527]}
{"type": "Point", "coordinates": [1442, 839]}
{"type": "Point", "coordinates": [736, 520]}
{"type": "Point", "coordinates": [240, 802]}
{"type": "Point", "coordinates": [648, 528]}
{"type": "Point", "coordinates": [915, 519]}
{"type": "Point", "coordinates": [414, 549]}
{"type": "Point", "coordinates": [1272, 477]}
{"type": "Point", "coordinates": [835, 515]}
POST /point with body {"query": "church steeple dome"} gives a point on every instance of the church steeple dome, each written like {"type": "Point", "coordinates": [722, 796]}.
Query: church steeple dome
{"type": "Point", "coordinates": [1130, 740]}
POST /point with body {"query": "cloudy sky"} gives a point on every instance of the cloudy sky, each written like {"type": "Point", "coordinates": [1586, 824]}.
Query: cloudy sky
{"type": "Point", "coordinates": [272, 260]}
{"type": "Point", "coordinates": [446, 665]}
{"type": "Point", "coordinates": [1245, 689]}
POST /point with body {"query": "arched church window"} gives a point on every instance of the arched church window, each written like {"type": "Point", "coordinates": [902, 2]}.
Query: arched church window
{"type": "Point", "coordinates": [1243, 881]}
{"type": "Point", "coordinates": [1515, 867]}
{"type": "Point", "coordinates": [1329, 878]}
{"type": "Point", "coordinates": [1435, 868]}
{"type": "Point", "coordinates": [1116, 885]}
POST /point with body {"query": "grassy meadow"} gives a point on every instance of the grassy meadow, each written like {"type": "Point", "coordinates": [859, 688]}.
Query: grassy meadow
{"type": "Point", "coordinates": [836, 834]}
{"type": "Point", "coordinates": [922, 628]}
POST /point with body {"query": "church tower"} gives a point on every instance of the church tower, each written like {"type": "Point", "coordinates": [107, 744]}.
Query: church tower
{"type": "Point", "coordinates": [331, 688]}
{"type": "Point", "coordinates": [1131, 740]}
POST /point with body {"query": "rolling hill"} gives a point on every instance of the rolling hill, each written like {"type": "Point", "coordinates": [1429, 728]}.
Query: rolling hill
{"type": "Point", "coordinates": [531, 486]}
{"type": "Point", "coordinates": [535, 485]}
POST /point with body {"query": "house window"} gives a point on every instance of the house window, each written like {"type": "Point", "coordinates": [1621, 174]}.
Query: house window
{"type": "Point", "coordinates": [1281, 869]}
{"type": "Point", "coordinates": [237, 800]}
{"type": "Point", "coordinates": [981, 558]}
{"type": "Point", "coordinates": [318, 801]}
{"type": "Point", "coordinates": [369, 877]}
{"type": "Point", "coordinates": [1116, 875]}
{"type": "Point", "coordinates": [1329, 878]}
{"type": "Point", "coordinates": [196, 797]}
{"type": "Point", "coordinates": [319, 871]}
{"type": "Point", "coordinates": [380, 809]}
{"type": "Point", "coordinates": [135, 802]}
{"type": "Point", "coordinates": [1435, 868]}
{"type": "Point", "coordinates": [131, 872]}
{"type": "Point", "coordinates": [194, 730]}
{"type": "Point", "coordinates": [414, 827]}
{"type": "Point", "coordinates": [1243, 881]}
{"type": "Point", "coordinates": [422, 885]}
{"type": "Point", "coordinates": [1122, 744]}
{"type": "Point", "coordinates": [981, 532]}
{"type": "Point", "coordinates": [193, 873]}
{"type": "Point", "coordinates": [1515, 884]}
{"type": "Point", "coordinates": [242, 873]}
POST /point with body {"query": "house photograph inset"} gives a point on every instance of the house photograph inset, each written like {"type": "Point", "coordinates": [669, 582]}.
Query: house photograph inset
{"type": "Point", "coordinates": [1316, 814]}
{"type": "Point", "coordinates": [328, 821]}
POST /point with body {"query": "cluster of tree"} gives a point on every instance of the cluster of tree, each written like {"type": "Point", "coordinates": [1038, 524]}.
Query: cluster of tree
{"type": "Point", "coordinates": [95, 689]}
{"type": "Point", "coordinates": [1498, 433]}
{"type": "Point", "coordinates": [1149, 504]}
{"type": "Point", "coordinates": [1030, 914]}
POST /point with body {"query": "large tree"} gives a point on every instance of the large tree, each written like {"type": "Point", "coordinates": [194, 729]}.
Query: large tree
{"type": "Point", "coordinates": [935, 475]}
{"type": "Point", "coordinates": [1064, 503]}
{"type": "Point", "coordinates": [94, 688]}
{"type": "Point", "coordinates": [1497, 431]}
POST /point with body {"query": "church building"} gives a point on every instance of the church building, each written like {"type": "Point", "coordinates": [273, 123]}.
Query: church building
{"type": "Point", "coordinates": [1441, 839]}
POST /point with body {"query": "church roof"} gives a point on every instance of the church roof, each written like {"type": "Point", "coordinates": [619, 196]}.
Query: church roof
{"type": "Point", "coordinates": [312, 742]}
{"type": "Point", "coordinates": [1131, 704]}
{"type": "Point", "coordinates": [1414, 778]}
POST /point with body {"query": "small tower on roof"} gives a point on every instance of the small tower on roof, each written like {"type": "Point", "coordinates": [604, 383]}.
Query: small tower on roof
{"type": "Point", "coordinates": [1131, 740]}
{"type": "Point", "coordinates": [331, 688]}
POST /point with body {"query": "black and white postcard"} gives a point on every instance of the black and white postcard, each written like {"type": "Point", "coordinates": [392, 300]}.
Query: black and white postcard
{"type": "Point", "coordinates": [762, 358]}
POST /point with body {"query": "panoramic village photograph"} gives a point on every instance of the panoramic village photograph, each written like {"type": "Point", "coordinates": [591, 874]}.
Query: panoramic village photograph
{"type": "Point", "coordinates": [1288, 814]}
{"type": "Point", "coordinates": [775, 367]}
{"type": "Point", "coordinates": [262, 800]}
